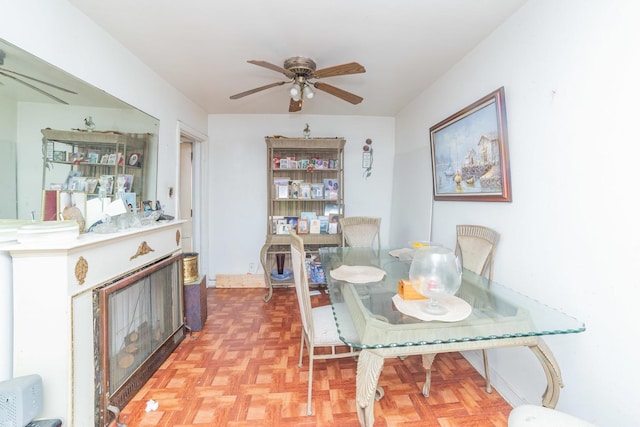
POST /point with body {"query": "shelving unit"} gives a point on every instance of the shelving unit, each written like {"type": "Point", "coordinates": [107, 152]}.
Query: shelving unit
{"type": "Point", "coordinates": [317, 160]}
{"type": "Point", "coordinates": [94, 154]}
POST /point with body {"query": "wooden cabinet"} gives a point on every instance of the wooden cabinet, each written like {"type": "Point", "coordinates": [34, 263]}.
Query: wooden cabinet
{"type": "Point", "coordinates": [305, 179]}
{"type": "Point", "coordinates": [92, 155]}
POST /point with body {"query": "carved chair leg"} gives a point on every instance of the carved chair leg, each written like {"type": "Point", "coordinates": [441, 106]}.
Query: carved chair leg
{"type": "Point", "coordinates": [427, 361]}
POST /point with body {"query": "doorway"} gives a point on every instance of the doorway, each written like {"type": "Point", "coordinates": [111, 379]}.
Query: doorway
{"type": "Point", "coordinates": [191, 178]}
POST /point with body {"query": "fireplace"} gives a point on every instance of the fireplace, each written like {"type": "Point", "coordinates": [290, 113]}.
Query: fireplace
{"type": "Point", "coordinates": [138, 322]}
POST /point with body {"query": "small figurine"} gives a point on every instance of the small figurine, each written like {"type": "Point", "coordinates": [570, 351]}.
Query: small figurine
{"type": "Point", "coordinates": [306, 132]}
{"type": "Point", "coordinates": [88, 123]}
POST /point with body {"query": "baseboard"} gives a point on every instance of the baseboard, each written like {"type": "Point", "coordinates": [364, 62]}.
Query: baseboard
{"type": "Point", "coordinates": [498, 384]}
{"type": "Point", "coordinates": [240, 281]}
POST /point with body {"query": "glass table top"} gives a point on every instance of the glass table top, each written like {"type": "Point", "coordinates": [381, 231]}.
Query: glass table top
{"type": "Point", "coordinates": [497, 311]}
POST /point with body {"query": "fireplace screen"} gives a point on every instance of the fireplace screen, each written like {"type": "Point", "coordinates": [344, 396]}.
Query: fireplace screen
{"type": "Point", "coordinates": [139, 321]}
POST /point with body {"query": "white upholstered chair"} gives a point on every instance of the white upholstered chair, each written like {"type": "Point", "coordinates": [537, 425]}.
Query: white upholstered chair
{"type": "Point", "coordinates": [360, 231]}
{"type": "Point", "coordinates": [539, 416]}
{"type": "Point", "coordinates": [318, 325]}
{"type": "Point", "coordinates": [476, 247]}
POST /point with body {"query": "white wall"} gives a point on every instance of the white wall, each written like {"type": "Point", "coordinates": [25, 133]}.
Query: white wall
{"type": "Point", "coordinates": [58, 33]}
{"type": "Point", "coordinates": [570, 237]}
{"type": "Point", "coordinates": [238, 191]}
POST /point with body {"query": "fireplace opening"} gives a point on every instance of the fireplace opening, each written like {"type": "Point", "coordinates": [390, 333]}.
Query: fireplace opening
{"type": "Point", "coordinates": [138, 322]}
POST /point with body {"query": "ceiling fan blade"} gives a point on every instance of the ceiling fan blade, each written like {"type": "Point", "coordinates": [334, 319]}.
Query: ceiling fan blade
{"type": "Point", "coordinates": [339, 70]}
{"type": "Point", "coordinates": [340, 93]}
{"type": "Point", "coordinates": [273, 67]}
{"type": "Point", "coordinates": [295, 106]}
{"type": "Point", "coordinates": [37, 89]}
{"type": "Point", "coordinates": [39, 81]}
{"type": "Point", "coordinates": [258, 89]}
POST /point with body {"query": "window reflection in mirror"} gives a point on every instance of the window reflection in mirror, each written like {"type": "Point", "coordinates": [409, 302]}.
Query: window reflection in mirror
{"type": "Point", "coordinates": [35, 95]}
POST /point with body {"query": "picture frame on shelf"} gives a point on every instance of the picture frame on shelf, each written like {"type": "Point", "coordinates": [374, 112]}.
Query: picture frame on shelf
{"type": "Point", "coordinates": [292, 221]}
{"type": "Point", "coordinates": [331, 188]}
{"type": "Point", "coordinates": [469, 153]}
{"type": "Point", "coordinates": [109, 182]}
{"type": "Point", "coordinates": [91, 184]}
{"type": "Point", "coordinates": [104, 159]}
{"type": "Point", "coordinates": [314, 226]}
{"type": "Point", "coordinates": [93, 156]}
{"type": "Point", "coordinates": [130, 200]}
{"type": "Point", "coordinates": [305, 191]}
{"type": "Point", "coordinates": [283, 228]}
{"type": "Point", "coordinates": [324, 224]}
{"type": "Point", "coordinates": [59, 156]}
{"type": "Point", "coordinates": [303, 226]}
{"type": "Point", "coordinates": [76, 183]}
{"type": "Point", "coordinates": [332, 209]}
{"type": "Point", "coordinates": [112, 159]}
{"type": "Point", "coordinates": [147, 205]}
{"type": "Point", "coordinates": [317, 191]}
{"type": "Point", "coordinates": [308, 215]}
{"type": "Point", "coordinates": [128, 182]}
{"type": "Point", "coordinates": [283, 191]}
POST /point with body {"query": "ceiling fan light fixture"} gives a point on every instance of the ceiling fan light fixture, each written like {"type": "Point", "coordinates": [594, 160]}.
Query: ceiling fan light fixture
{"type": "Point", "coordinates": [295, 91]}
{"type": "Point", "coordinates": [308, 93]}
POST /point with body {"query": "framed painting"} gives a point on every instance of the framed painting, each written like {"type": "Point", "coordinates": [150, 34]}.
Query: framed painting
{"type": "Point", "coordinates": [469, 153]}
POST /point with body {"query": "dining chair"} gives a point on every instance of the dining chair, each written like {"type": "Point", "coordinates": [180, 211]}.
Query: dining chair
{"type": "Point", "coordinates": [318, 325]}
{"type": "Point", "coordinates": [360, 231]}
{"type": "Point", "coordinates": [476, 247]}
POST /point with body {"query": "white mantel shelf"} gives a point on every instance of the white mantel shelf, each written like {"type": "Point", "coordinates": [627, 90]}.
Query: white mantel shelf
{"type": "Point", "coordinates": [53, 308]}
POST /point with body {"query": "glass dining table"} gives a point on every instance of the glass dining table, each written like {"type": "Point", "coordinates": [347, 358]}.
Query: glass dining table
{"type": "Point", "coordinates": [497, 317]}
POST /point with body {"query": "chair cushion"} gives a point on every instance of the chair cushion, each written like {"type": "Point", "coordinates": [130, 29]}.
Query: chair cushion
{"type": "Point", "coordinates": [539, 416]}
{"type": "Point", "coordinates": [325, 331]}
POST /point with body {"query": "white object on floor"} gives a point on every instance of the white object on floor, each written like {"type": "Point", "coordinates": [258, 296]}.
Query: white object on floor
{"type": "Point", "coordinates": [311, 293]}
{"type": "Point", "coordinates": [152, 405]}
{"type": "Point", "coordinates": [539, 416]}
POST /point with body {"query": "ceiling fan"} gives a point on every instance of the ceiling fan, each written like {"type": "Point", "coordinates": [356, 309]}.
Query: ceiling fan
{"type": "Point", "coordinates": [301, 71]}
{"type": "Point", "coordinates": [19, 77]}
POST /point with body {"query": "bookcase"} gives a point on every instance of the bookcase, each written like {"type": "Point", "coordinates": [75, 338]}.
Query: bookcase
{"type": "Point", "coordinates": [305, 191]}
{"type": "Point", "coordinates": [75, 161]}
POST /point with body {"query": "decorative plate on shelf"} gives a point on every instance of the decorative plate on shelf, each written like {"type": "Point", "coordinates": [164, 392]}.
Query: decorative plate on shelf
{"type": "Point", "coordinates": [134, 159]}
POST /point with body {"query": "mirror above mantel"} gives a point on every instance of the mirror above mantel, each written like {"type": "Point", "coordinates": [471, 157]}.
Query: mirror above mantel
{"type": "Point", "coordinates": [35, 95]}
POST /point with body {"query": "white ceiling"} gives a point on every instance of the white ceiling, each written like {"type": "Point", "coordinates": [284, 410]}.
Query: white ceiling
{"type": "Point", "coordinates": [201, 46]}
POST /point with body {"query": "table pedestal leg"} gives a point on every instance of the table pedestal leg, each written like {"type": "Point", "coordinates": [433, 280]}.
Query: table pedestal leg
{"type": "Point", "coordinates": [551, 370]}
{"type": "Point", "coordinates": [369, 369]}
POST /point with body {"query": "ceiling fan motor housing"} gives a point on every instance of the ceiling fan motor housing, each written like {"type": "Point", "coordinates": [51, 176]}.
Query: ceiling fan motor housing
{"type": "Point", "coordinates": [301, 67]}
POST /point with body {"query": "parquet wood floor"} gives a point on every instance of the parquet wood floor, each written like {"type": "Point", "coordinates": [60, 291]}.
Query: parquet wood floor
{"type": "Point", "coordinates": [242, 370]}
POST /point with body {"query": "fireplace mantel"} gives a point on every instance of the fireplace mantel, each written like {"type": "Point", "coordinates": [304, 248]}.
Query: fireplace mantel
{"type": "Point", "coordinates": [52, 308]}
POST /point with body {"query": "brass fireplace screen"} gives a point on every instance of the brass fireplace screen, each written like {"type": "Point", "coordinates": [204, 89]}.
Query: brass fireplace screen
{"type": "Point", "coordinates": [138, 322]}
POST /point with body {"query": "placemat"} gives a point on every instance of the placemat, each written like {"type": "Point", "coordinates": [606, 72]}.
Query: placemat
{"type": "Point", "coordinates": [457, 309]}
{"type": "Point", "coordinates": [357, 273]}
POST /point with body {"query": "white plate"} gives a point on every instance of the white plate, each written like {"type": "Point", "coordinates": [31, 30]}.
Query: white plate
{"type": "Point", "coordinates": [457, 309]}
{"type": "Point", "coordinates": [404, 253]}
{"type": "Point", "coordinates": [357, 273]}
